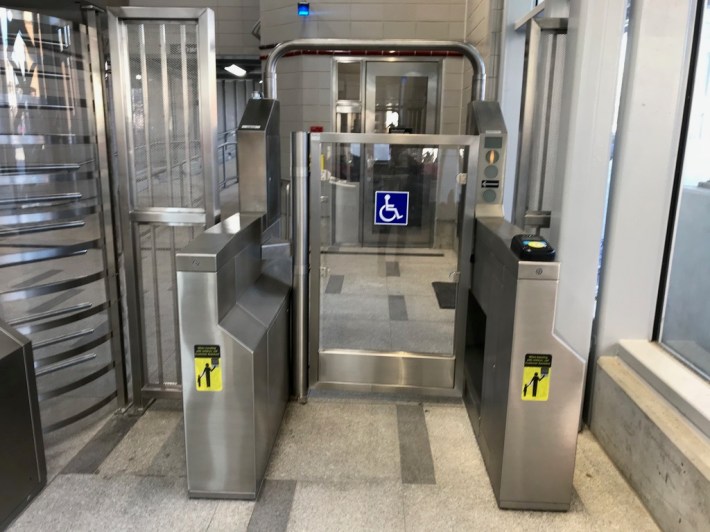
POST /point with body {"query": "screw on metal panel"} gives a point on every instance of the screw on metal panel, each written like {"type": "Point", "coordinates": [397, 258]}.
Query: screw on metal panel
{"type": "Point", "coordinates": [538, 271]}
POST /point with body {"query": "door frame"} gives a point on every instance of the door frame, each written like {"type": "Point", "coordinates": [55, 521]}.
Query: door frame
{"type": "Point", "coordinates": [406, 361]}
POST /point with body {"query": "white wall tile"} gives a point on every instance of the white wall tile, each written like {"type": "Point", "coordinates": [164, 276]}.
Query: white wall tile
{"type": "Point", "coordinates": [400, 30]}
{"type": "Point", "coordinates": [432, 30]}
{"type": "Point", "coordinates": [334, 30]}
{"type": "Point", "coordinates": [367, 12]}
{"type": "Point", "coordinates": [367, 30]}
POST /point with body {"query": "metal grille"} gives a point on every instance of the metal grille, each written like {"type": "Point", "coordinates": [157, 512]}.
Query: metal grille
{"type": "Point", "coordinates": [57, 282]}
{"type": "Point", "coordinates": [158, 244]}
{"type": "Point", "coordinates": [164, 105]}
{"type": "Point", "coordinates": [164, 86]}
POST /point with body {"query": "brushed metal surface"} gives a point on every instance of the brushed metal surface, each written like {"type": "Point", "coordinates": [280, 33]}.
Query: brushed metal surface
{"type": "Point", "coordinates": [259, 159]}
{"type": "Point", "coordinates": [229, 434]}
{"type": "Point", "coordinates": [211, 250]}
{"type": "Point", "coordinates": [478, 91]}
{"type": "Point", "coordinates": [386, 369]}
{"type": "Point", "coordinates": [299, 177]}
{"type": "Point", "coordinates": [528, 447]}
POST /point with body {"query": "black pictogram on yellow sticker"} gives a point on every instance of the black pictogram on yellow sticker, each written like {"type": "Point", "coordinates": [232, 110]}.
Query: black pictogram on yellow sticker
{"type": "Point", "coordinates": [536, 377]}
{"type": "Point", "coordinates": [208, 370]}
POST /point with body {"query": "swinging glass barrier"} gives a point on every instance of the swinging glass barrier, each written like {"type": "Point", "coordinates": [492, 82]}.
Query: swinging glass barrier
{"type": "Point", "coordinates": [388, 239]}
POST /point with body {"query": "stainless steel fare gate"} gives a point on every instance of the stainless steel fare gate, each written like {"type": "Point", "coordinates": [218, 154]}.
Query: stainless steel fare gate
{"type": "Point", "coordinates": [165, 104]}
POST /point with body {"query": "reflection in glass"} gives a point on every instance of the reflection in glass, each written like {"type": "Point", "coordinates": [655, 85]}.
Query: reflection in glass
{"type": "Point", "coordinates": [687, 312]}
{"type": "Point", "coordinates": [378, 284]}
{"type": "Point", "coordinates": [401, 103]}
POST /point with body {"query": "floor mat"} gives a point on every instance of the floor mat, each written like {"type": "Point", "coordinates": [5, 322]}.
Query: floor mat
{"type": "Point", "coordinates": [445, 294]}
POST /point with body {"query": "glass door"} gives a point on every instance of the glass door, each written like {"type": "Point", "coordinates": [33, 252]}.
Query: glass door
{"type": "Point", "coordinates": [386, 316]}
{"type": "Point", "coordinates": [401, 97]}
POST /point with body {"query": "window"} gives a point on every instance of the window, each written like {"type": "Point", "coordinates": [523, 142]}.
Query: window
{"type": "Point", "coordinates": [685, 329]}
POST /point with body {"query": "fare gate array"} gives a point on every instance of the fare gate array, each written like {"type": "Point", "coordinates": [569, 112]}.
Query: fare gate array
{"type": "Point", "coordinates": [522, 385]}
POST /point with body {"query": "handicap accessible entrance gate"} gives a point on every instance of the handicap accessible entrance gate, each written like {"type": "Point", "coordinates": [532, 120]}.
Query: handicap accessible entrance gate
{"type": "Point", "coordinates": [391, 317]}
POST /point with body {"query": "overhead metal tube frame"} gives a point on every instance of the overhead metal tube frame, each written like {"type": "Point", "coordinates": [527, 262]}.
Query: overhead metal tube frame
{"type": "Point", "coordinates": [478, 91]}
{"type": "Point", "coordinates": [299, 176]}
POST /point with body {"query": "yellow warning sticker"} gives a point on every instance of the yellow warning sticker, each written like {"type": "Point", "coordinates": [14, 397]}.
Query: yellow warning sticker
{"type": "Point", "coordinates": [208, 369]}
{"type": "Point", "coordinates": [536, 377]}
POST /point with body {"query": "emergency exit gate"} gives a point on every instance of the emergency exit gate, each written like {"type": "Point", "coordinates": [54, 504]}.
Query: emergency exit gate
{"type": "Point", "coordinates": [165, 105]}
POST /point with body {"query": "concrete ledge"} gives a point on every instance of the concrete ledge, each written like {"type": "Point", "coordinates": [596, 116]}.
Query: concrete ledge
{"type": "Point", "coordinates": [664, 457]}
{"type": "Point", "coordinates": [681, 386]}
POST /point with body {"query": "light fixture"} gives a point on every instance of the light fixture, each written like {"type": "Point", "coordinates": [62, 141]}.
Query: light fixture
{"type": "Point", "coordinates": [236, 71]}
{"type": "Point", "coordinates": [139, 77]}
{"type": "Point", "coordinates": [304, 9]}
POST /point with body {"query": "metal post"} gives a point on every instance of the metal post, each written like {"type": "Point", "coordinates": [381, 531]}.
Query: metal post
{"type": "Point", "coordinates": [299, 187]}
{"type": "Point", "coordinates": [108, 227]}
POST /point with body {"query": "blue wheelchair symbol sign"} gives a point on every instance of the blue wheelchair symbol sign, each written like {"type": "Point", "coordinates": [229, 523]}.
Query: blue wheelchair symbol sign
{"type": "Point", "coordinates": [391, 207]}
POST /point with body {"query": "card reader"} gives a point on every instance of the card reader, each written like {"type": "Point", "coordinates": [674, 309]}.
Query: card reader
{"type": "Point", "coordinates": [532, 248]}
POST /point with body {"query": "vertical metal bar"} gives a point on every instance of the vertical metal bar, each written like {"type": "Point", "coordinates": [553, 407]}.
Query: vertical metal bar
{"type": "Point", "coordinates": [207, 76]}
{"type": "Point", "coordinates": [314, 191]}
{"type": "Point", "coordinates": [156, 305]}
{"type": "Point", "coordinates": [527, 113]}
{"type": "Point", "coordinates": [109, 249]}
{"type": "Point", "coordinates": [465, 252]}
{"type": "Point", "coordinates": [126, 167]}
{"type": "Point", "coordinates": [185, 117]}
{"type": "Point", "coordinates": [167, 122]}
{"type": "Point", "coordinates": [176, 320]}
{"type": "Point", "coordinates": [299, 179]}
{"type": "Point", "coordinates": [146, 113]}
{"type": "Point", "coordinates": [548, 114]}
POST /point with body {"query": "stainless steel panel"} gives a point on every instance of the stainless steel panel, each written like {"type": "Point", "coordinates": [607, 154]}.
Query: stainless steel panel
{"type": "Point", "coordinates": [301, 239]}
{"type": "Point", "coordinates": [23, 471]}
{"type": "Point", "coordinates": [541, 441]}
{"type": "Point", "coordinates": [230, 432]}
{"type": "Point", "coordinates": [220, 244]}
{"type": "Point", "coordinates": [528, 447]}
{"type": "Point", "coordinates": [386, 369]}
{"type": "Point", "coordinates": [259, 159]}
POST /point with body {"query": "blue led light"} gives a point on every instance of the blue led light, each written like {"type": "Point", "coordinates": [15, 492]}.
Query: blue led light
{"type": "Point", "coordinates": [304, 9]}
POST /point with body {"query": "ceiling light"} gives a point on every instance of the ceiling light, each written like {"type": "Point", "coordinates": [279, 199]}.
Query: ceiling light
{"type": "Point", "coordinates": [236, 71]}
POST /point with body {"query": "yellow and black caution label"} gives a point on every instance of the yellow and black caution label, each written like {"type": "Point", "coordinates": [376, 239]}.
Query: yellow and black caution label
{"type": "Point", "coordinates": [208, 370]}
{"type": "Point", "coordinates": [536, 377]}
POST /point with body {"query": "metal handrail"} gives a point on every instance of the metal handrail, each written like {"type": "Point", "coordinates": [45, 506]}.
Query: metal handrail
{"type": "Point", "coordinates": [478, 90]}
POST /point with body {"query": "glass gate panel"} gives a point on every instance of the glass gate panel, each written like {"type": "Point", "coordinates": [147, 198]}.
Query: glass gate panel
{"type": "Point", "coordinates": [166, 122]}
{"type": "Point", "coordinates": [401, 97]}
{"type": "Point", "coordinates": [386, 310]}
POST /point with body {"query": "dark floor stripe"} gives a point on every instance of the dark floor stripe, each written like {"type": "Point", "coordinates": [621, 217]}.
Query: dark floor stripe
{"type": "Point", "coordinates": [392, 268]}
{"type": "Point", "coordinates": [335, 284]}
{"type": "Point", "coordinates": [415, 458]}
{"type": "Point", "coordinates": [398, 308]}
{"type": "Point", "coordinates": [273, 508]}
{"type": "Point", "coordinates": [164, 462]}
{"type": "Point", "coordinates": [89, 459]}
